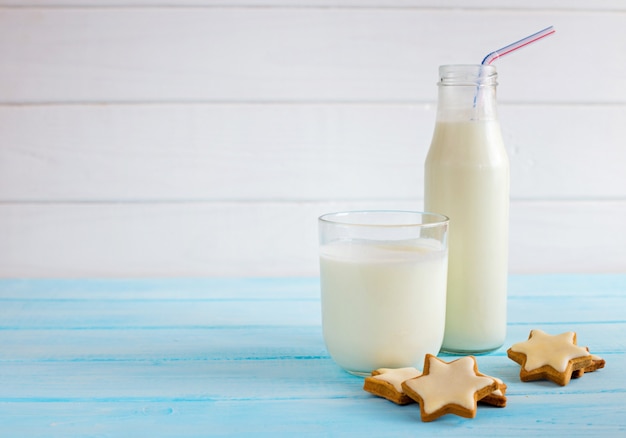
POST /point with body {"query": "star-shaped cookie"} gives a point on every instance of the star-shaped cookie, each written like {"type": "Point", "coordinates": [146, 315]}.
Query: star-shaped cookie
{"type": "Point", "coordinates": [551, 357]}
{"type": "Point", "coordinates": [596, 363]}
{"type": "Point", "coordinates": [449, 387]}
{"type": "Point", "coordinates": [497, 398]}
{"type": "Point", "coordinates": [387, 383]}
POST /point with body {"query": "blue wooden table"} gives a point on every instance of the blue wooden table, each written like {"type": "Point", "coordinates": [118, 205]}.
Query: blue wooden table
{"type": "Point", "coordinates": [198, 357]}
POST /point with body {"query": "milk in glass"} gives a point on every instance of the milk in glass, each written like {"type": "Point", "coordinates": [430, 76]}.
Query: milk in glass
{"type": "Point", "coordinates": [383, 305]}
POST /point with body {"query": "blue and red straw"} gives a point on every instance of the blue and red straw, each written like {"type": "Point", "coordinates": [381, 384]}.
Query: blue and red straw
{"type": "Point", "coordinates": [517, 45]}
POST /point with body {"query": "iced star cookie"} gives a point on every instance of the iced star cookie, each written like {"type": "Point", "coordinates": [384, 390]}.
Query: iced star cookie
{"type": "Point", "coordinates": [596, 363]}
{"type": "Point", "coordinates": [551, 357]}
{"type": "Point", "coordinates": [449, 387]}
{"type": "Point", "coordinates": [496, 398]}
{"type": "Point", "coordinates": [387, 383]}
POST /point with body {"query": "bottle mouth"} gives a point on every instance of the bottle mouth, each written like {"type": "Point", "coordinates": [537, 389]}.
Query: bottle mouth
{"type": "Point", "coordinates": [468, 74]}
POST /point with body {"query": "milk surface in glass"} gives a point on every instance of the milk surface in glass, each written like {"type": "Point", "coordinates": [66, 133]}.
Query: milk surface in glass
{"type": "Point", "coordinates": [383, 304]}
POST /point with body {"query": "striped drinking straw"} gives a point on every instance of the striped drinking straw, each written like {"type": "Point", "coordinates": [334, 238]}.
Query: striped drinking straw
{"type": "Point", "coordinates": [517, 45]}
{"type": "Point", "coordinates": [511, 48]}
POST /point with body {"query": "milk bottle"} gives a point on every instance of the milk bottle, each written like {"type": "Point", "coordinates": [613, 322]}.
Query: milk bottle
{"type": "Point", "coordinates": [467, 179]}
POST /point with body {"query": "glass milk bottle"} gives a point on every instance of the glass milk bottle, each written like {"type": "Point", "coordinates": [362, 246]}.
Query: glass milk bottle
{"type": "Point", "coordinates": [467, 179]}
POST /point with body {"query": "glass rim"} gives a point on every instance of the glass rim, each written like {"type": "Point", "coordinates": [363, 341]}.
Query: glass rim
{"type": "Point", "coordinates": [468, 66]}
{"type": "Point", "coordinates": [330, 218]}
{"type": "Point", "coordinates": [477, 75]}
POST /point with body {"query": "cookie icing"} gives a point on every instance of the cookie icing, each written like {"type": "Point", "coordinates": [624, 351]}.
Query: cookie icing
{"type": "Point", "coordinates": [449, 383]}
{"type": "Point", "coordinates": [500, 383]}
{"type": "Point", "coordinates": [396, 376]}
{"type": "Point", "coordinates": [553, 350]}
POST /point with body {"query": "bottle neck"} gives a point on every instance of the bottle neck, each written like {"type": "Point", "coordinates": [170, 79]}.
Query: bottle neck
{"type": "Point", "coordinates": [467, 93]}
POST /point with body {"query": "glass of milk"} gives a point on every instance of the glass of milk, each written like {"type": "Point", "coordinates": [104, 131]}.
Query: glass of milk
{"type": "Point", "coordinates": [383, 287]}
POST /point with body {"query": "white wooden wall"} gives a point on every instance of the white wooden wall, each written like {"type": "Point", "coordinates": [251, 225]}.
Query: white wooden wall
{"type": "Point", "coordinates": [204, 137]}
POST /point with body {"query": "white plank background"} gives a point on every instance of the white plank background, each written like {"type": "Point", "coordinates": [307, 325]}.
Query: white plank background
{"type": "Point", "coordinates": [156, 138]}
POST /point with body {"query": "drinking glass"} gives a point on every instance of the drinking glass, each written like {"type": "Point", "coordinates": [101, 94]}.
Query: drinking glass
{"type": "Point", "coordinates": [383, 287]}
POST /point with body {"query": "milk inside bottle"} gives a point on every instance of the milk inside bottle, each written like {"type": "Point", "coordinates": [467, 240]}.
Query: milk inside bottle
{"type": "Point", "coordinates": [467, 179]}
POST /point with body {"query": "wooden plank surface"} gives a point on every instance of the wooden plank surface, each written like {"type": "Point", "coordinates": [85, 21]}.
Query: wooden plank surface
{"type": "Point", "coordinates": [202, 137]}
{"type": "Point", "coordinates": [166, 357]}
{"type": "Point", "coordinates": [267, 238]}
{"type": "Point", "coordinates": [292, 152]}
{"type": "Point", "coordinates": [598, 5]}
{"type": "Point", "coordinates": [298, 54]}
